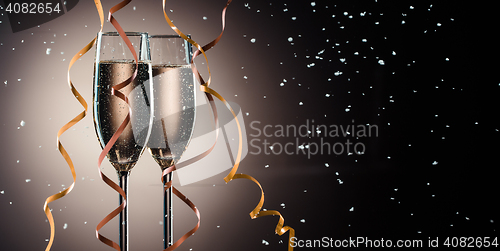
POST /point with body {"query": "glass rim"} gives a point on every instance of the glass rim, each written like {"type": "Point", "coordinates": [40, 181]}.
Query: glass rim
{"type": "Point", "coordinates": [128, 33]}
{"type": "Point", "coordinates": [167, 36]}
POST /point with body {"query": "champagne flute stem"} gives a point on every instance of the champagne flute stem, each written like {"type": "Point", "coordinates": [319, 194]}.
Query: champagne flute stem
{"type": "Point", "coordinates": [124, 178]}
{"type": "Point", "coordinates": [168, 227]}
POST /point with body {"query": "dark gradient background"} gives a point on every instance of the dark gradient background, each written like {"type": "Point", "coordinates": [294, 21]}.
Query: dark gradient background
{"type": "Point", "coordinates": [431, 172]}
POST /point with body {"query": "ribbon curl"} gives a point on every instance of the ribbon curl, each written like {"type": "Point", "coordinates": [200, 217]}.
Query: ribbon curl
{"type": "Point", "coordinates": [115, 91]}
{"type": "Point", "coordinates": [185, 200]}
{"type": "Point", "coordinates": [204, 86]}
{"type": "Point", "coordinates": [68, 125]}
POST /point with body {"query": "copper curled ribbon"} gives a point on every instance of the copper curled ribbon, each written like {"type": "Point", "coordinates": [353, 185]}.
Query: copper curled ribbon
{"type": "Point", "coordinates": [116, 92]}
{"type": "Point", "coordinates": [204, 86]}
{"type": "Point", "coordinates": [64, 128]}
{"type": "Point", "coordinates": [181, 196]}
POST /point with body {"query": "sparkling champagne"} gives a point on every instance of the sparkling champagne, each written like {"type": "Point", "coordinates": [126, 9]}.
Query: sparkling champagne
{"type": "Point", "coordinates": [174, 113]}
{"type": "Point", "coordinates": [110, 111]}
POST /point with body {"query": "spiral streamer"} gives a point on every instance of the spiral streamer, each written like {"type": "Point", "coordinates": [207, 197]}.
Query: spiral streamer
{"type": "Point", "coordinates": [62, 150]}
{"type": "Point", "coordinates": [68, 125]}
{"type": "Point", "coordinates": [116, 92]}
{"type": "Point", "coordinates": [204, 86]}
{"type": "Point", "coordinates": [168, 185]}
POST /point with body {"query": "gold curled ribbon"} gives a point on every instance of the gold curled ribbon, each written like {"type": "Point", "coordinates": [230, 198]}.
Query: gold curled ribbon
{"type": "Point", "coordinates": [64, 128]}
{"type": "Point", "coordinates": [115, 90]}
{"type": "Point", "coordinates": [204, 86]}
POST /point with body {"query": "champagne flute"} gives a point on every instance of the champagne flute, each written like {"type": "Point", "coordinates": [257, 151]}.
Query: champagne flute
{"type": "Point", "coordinates": [115, 63]}
{"type": "Point", "coordinates": [174, 110]}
